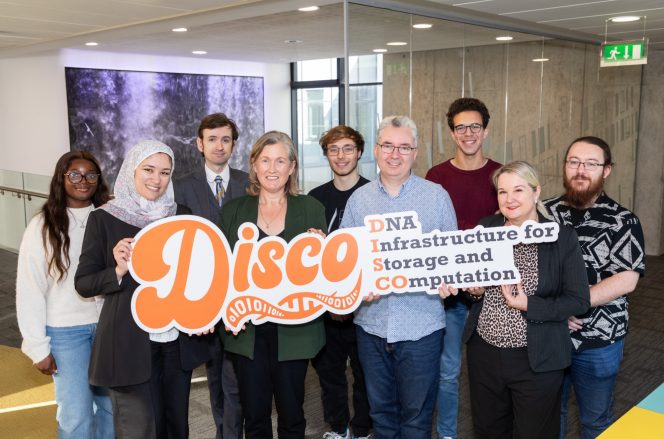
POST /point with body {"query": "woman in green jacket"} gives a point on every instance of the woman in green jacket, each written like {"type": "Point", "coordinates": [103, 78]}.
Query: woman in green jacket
{"type": "Point", "coordinates": [272, 359]}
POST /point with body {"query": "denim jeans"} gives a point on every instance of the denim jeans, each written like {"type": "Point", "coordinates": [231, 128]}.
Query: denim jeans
{"type": "Point", "coordinates": [402, 383]}
{"type": "Point", "coordinates": [593, 374]}
{"type": "Point", "coordinates": [450, 367]}
{"type": "Point", "coordinates": [84, 411]}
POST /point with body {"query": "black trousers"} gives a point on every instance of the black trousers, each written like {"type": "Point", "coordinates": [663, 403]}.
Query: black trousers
{"type": "Point", "coordinates": [133, 415]}
{"type": "Point", "coordinates": [159, 408]}
{"type": "Point", "coordinates": [224, 393]}
{"type": "Point", "coordinates": [330, 364]}
{"type": "Point", "coordinates": [507, 396]}
{"type": "Point", "coordinates": [264, 376]}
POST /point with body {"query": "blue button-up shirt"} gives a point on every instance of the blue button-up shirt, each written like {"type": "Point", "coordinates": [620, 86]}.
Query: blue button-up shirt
{"type": "Point", "coordinates": [413, 315]}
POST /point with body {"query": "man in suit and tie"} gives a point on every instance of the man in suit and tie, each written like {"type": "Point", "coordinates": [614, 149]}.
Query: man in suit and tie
{"type": "Point", "coordinates": [204, 191]}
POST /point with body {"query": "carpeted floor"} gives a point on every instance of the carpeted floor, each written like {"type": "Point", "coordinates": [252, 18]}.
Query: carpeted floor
{"type": "Point", "coordinates": [642, 368]}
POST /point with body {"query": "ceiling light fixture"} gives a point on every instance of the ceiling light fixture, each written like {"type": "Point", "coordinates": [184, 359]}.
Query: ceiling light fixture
{"type": "Point", "coordinates": [179, 29]}
{"type": "Point", "coordinates": [624, 18]}
{"type": "Point", "coordinates": [92, 43]}
{"type": "Point", "coordinates": [504, 38]}
{"type": "Point", "coordinates": [293, 41]}
{"type": "Point", "coordinates": [380, 50]}
{"type": "Point", "coordinates": [397, 43]}
{"type": "Point", "coordinates": [308, 9]}
{"type": "Point", "coordinates": [540, 59]}
{"type": "Point", "coordinates": [199, 52]}
{"type": "Point", "coordinates": [423, 26]}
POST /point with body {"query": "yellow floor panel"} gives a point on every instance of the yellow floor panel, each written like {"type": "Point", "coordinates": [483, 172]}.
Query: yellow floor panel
{"type": "Point", "coordinates": [38, 423]}
{"type": "Point", "coordinates": [637, 423]}
{"type": "Point", "coordinates": [22, 384]}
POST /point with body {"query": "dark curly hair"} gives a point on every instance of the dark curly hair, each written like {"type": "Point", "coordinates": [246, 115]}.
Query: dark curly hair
{"type": "Point", "coordinates": [467, 104]}
{"type": "Point", "coordinates": [55, 231]}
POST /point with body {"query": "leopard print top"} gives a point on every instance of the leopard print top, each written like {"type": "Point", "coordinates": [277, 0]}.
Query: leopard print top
{"type": "Point", "coordinates": [499, 324]}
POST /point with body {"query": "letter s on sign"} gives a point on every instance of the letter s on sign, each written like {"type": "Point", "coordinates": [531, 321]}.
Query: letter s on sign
{"type": "Point", "coordinates": [156, 310]}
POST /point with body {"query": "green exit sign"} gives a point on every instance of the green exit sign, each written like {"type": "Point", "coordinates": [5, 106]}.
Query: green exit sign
{"type": "Point", "coordinates": [624, 53]}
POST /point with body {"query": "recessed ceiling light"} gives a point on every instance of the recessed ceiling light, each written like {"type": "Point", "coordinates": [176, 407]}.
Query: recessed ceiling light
{"type": "Point", "coordinates": [308, 9]}
{"type": "Point", "coordinates": [540, 59]}
{"type": "Point", "coordinates": [504, 38]}
{"type": "Point", "coordinates": [179, 29]}
{"type": "Point", "coordinates": [422, 26]}
{"type": "Point", "coordinates": [397, 43]}
{"type": "Point", "coordinates": [199, 52]}
{"type": "Point", "coordinates": [380, 50]}
{"type": "Point", "coordinates": [92, 43]}
{"type": "Point", "coordinates": [624, 18]}
{"type": "Point", "coordinates": [293, 41]}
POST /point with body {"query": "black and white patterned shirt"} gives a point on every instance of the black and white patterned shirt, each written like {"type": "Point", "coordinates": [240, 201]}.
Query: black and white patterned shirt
{"type": "Point", "coordinates": [611, 240]}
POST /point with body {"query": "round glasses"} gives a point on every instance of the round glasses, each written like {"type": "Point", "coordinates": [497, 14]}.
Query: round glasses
{"type": "Point", "coordinates": [77, 177]}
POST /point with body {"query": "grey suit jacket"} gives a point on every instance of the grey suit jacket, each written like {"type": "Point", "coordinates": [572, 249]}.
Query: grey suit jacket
{"type": "Point", "coordinates": [193, 191]}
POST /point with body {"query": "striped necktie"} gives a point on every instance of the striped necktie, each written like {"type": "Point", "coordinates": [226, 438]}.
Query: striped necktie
{"type": "Point", "coordinates": [220, 189]}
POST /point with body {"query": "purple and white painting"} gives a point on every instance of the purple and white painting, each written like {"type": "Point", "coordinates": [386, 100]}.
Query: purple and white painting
{"type": "Point", "coordinates": [112, 110]}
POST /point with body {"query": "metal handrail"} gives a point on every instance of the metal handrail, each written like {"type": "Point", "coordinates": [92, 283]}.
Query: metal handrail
{"type": "Point", "coordinates": [21, 193]}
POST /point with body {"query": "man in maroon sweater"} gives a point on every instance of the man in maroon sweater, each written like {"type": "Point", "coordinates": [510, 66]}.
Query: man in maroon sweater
{"type": "Point", "coordinates": [467, 179]}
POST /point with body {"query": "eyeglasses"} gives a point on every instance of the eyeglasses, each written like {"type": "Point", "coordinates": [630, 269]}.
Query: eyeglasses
{"type": "Point", "coordinates": [346, 149]}
{"type": "Point", "coordinates": [403, 149]}
{"type": "Point", "coordinates": [590, 166]}
{"type": "Point", "coordinates": [77, 177]}
{"type": "Point", "coordinates": [474, 128]}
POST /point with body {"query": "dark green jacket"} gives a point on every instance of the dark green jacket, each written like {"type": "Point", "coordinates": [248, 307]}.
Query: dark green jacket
{"type": "Point", "coordinates": [303, 212]}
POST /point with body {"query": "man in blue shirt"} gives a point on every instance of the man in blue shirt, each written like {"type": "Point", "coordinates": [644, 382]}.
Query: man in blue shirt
{"type": "Point", "coordinates": [399, 336]}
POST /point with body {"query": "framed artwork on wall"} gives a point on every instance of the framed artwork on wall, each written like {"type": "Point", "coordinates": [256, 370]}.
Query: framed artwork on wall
{"type": "Point", "coordinates": [112, 110]}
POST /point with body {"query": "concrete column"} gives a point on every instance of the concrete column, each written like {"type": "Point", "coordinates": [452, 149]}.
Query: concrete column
{"type": "Point", "coordinates": [649, 186]}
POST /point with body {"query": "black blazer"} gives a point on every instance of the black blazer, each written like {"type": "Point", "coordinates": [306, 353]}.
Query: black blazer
{"type": "Point", "coordinates": [193, 191]}
{"type": "Point", "coordinates": [121, 350]}
{"type": "Point", "coordinates": [562, 291]}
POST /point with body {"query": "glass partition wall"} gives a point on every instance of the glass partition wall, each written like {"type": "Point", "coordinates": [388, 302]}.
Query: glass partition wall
{"type": "Point", "coordinates": [542, 93]}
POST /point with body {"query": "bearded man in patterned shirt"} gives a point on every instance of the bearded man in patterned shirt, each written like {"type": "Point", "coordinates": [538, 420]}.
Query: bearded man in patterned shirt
{"type": "Point", "coordinates": [611, 240]}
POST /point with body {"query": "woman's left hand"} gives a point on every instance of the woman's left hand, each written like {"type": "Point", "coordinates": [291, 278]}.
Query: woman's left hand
{"type": "Point", "coordinates": [515, 297]}
{"type": "Point", "coordinates": [445, 291]}
{"type": "Point", "coordinates": [318, 231]}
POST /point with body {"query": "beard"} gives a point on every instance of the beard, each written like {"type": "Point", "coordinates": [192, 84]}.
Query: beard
{"type": "Point", "coordinates": [582, 198]}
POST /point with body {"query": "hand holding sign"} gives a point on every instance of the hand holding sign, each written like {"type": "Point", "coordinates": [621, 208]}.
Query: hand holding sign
{"type": "Point", "coordinates": [190, 279]}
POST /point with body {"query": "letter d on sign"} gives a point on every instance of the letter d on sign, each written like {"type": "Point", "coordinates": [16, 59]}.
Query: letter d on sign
{"type": "Point", "coordinates": [160, 303]}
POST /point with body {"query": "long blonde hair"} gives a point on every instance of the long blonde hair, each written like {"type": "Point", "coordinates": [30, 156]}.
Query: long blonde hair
{"type": "Point", "coordinates": [271, 138]}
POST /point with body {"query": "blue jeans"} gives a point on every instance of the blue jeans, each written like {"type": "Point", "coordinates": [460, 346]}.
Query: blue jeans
{"type": "Point", "coordinates": [402, 383]}
{"type": "Point", "coordinates": [84, 411]}
{"type": "Point", "coordinates": [450, 367]}
{"type": "Point", "coordinates": [593, 374]}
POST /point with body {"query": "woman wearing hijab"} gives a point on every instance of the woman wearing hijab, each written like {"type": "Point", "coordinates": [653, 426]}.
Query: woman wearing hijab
{"type": "Point", "coordinates": [271, 359]}
{"type": "Point", "coordinates": [148, 374]}
{"type": "Point", "coordinates": [58, 326]}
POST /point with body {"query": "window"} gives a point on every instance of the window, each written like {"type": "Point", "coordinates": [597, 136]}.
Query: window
{"type": "Point", "coordinates": [318, 105]}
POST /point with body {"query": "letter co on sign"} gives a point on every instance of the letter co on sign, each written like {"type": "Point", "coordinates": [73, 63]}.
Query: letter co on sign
{"type": "Point", "coordinates": [191, 279]}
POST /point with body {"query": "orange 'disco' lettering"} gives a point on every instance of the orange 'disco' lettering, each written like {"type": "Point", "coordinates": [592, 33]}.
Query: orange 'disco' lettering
{"type": "Point", "coordinates": [190, 279]}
